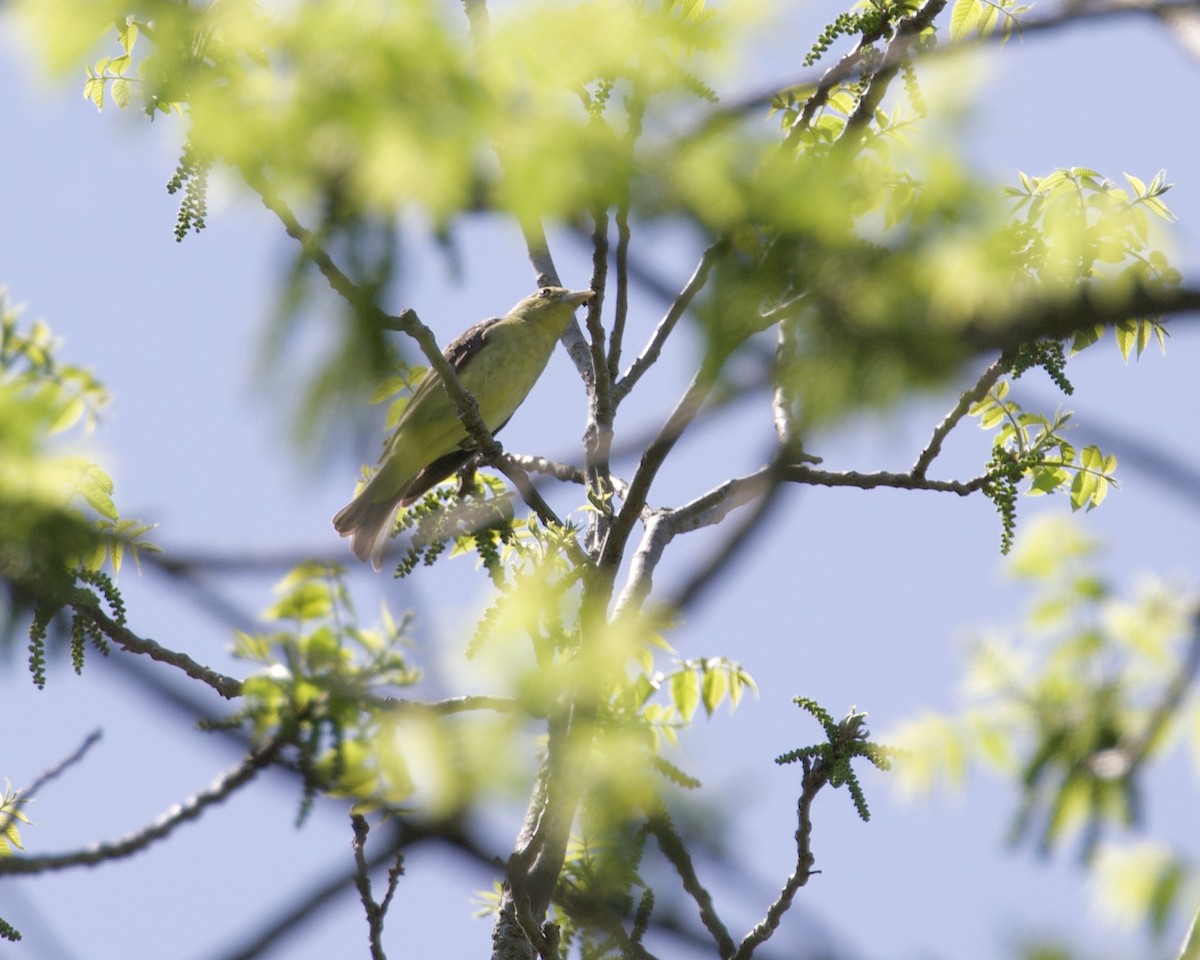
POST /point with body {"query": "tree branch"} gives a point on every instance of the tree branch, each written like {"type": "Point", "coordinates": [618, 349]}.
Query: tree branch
{"type": "Point", "coordinates": [227, 687]}
{"type": "Point", "coordinates": [652, 460]}
{"type": "Point", "coordinates": [732, 546]}
{"type": "Point", "coordinates": [1059, 317]}
{"type": "Point", "coordinates": [986, 381]}
{"type": "Point", "coordinates": [815, 777]}
{"type": "Point", "coordinates": [621, 309]}
{"type": "Point", "coordinates": [28, 793]}
{"type": "Point", "coordinates": [672, 847]}
{"type": "Point", "coordinates": [679, 305]}
{"type": "Point", "coordinates": [376, 912]}
{"type": "Point", "coordinates": [161, 828]}
{"type": "Point", "coordinates": [598, 435]}
{"type": "Point", "coordinates": [852, 66]}
{"type": "Point", "coordinates": [800, 473]}
{"type": "Point", "coordinates": [908, 30]}
{"type": "Point", "coordinates": [662, 526]}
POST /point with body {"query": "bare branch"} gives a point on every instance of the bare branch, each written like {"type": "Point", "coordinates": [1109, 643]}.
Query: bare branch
{"type": "Point", "coordinates": [337, 279]}
{"type": "Point", "coordinates": [161, 828]}
{"type": "Point", "coordinates": [621, 309]}
{"type": "Point", "coordinates": [662, 526]}
{"type": "Point", "coordinates": [28, 793]}
{"type": "Point", "coordinates": [597, 437]}
{"type": "Point", "coordinates": [800, 473]}
{"type": "Point", "coordinates": [798, 878]}
{"type": "Point", "coordinates": [376, 912]}
{"type": "Point", "coordinates": [227, 687]}
{"type": "Point", "coordinates": [732, 546]}
{"type": "Point", "coordinates": [335, 879]}
{"type": "Point", "coordinates": [652, 460]}
{"type": "Point", "coordinates": [601, 382]}
{"type": "Point", "coordinates": [986, 381]}
{"type": "Point", "coordinates": [566, 472]}
{"type": "Point", "coordinates": [659, 531]}
{"type": "Point", "coordinates": [477, 17]}
{"type": "Point", "coordinates": [1058, 317]}
{"type": "Point", "coordinates": [671, 844]}
{"type": "Point", "coordinates": [650, 353]}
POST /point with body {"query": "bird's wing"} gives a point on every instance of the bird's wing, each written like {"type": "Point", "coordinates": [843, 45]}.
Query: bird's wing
{"type": "Point", "coordinates": [466, 345]}
{"type": "Point", "coordinates": [459, 353]}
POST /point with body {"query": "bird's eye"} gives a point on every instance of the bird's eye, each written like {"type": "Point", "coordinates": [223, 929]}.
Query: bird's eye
{"type": "Point", "coordinates": [546, 293]}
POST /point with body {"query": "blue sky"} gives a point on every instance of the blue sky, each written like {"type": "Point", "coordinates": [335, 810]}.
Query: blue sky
{"type": "Point", "coordinates": [900, 578]}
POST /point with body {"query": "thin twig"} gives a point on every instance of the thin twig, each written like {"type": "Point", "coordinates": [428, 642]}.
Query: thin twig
{"type": "Point", "coordinates": [733, 544]}
{"type": "Point", "coordinates": [815, 777]}
{"type": "Point", "coordinates": [161, 828]}
{"type": "Point", "coordinates": [671, 844]}
{"type": "Point", "coordinates": [799, 473]}
{"type": "Point", "coordinates": [451, 705]}
{"type": "Point", "coordinates": [228, 687]}
{"type": "Point", "coordinates": [28, 793]}
{"type": "Point", "coordinates": [598, 435]}
{"type": "Point", "coordinates": [376, 912]}
{"type": "Point", "coordinates": [679, 305]}
{"type": "Point", "coordinates": [621, 307]}
{"type": "Point", "coordinates": [852, 66]}
{"type": "Point", "coordinates": [336, 880]}
{"type": "Point", "coordinates": [986, 381]}
{"type": "Point", "coordinates": [651, 461]}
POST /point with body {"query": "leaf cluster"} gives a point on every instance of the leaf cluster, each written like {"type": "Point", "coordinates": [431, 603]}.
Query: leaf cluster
{"type": "Point", "coordinates": [324, 687]}
{"type": "Point", "coordinates": [59, 524]}
{"type": "Point", "coordinates": [830, 762]}
{"type": "Point", "coordinates": [471, 518]}
{"type": "Point", "coordinates": [1073, 710]}
{"type": "Point", "coordinates": [1031, 446]}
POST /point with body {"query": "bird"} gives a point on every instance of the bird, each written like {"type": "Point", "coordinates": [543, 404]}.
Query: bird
{"type": "Point", "coordinates": [498, 361]}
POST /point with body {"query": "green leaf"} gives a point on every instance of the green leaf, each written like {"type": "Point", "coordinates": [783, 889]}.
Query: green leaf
{"type": "Point", "coordinates": [1126, 337]}
{"type": "Point", "coordinates": [95, 486]}
{"type": "Point", "coordinates": [987, 19]}
{"type": "Point", "coordinates": [964, 18]}
{"type": "Point", "coordinates": [309, 601]}
{"type": "Point", "coordinates": [122, 92]}
{"type": "Point", "coordinates": [93, 89]}
{"type": "Point", "coordinates": [68, 416]}
{"type": "Point", "coordinates": [1138, 186]}
{"type": "Point", "coordinates": [127, 34]}
{"type": "Point", "coordinates": [715, 685]}
{"type": "Point", "coordinates": [1047, 479]}
{"type": "Point", "coordinates": [685, 692]}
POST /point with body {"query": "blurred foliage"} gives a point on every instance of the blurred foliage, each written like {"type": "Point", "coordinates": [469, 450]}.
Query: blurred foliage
{"type": "Point", "coordinates": [10, 816]}
{"type": "Point", "coordinates": [1076, 710]}
{"type": "Point", "coordinates": [848, 240]}
{"type": "Point", "coordinates": [357, 112]}
{"type": "Point", "coordinates": [324, 688]}
{"type": "Point", "coordinates": [59, 525]}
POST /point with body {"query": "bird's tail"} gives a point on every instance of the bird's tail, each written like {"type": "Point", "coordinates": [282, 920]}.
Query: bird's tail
{"type": "Point", "coordinates": [368, 524]}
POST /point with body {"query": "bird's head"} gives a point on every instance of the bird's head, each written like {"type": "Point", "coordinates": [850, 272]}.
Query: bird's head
{"type": "Point", "coordinates": [552, 305]}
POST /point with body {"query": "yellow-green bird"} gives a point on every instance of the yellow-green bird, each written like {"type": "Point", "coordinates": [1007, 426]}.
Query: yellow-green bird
{"type": "Point", "coordinates": [497, 361]}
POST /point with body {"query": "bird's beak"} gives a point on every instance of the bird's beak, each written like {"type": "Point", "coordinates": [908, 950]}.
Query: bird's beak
{"type": "Point", "coordinates": [576, 297]}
